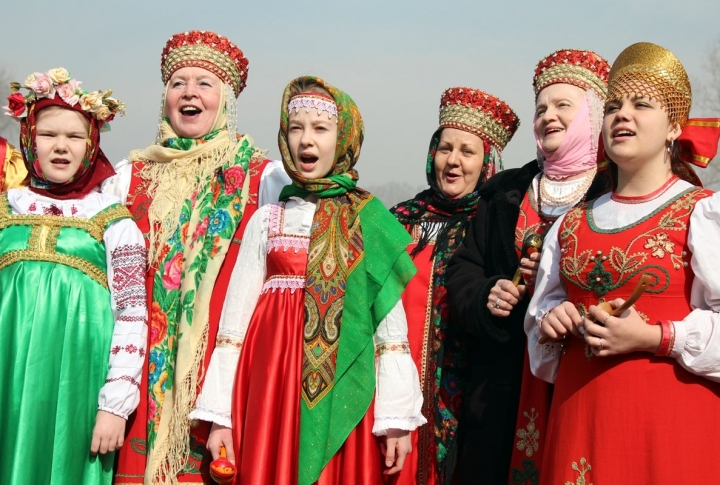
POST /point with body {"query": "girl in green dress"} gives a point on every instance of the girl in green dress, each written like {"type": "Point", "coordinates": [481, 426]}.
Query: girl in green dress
{"type": "Point", "coordinates": [72, 296]}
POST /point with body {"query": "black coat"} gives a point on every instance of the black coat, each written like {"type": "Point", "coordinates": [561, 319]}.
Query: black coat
{"type": "Point", "coordinates": [495, 346]}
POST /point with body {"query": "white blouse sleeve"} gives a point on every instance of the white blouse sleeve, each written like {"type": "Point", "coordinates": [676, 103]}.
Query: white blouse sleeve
{"type": "Point", "coordinates": [398, 399]}
{"type": "Point", "coordinates": [119, 184]}
{"type": "Point", "coordinates": [126, 267]}
{"type": "Point", "coordinates": [215, 400]}
{"type": "Point", "coordinates": [272, 181]}
{"type": "Point", "coordinates": [549, 293]}
{"type": "Point", "coordinates": [697, 336]}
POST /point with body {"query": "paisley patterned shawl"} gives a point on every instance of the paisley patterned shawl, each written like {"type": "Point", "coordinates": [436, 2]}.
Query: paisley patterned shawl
{"type": "Point", "coordinates": [357, 269]}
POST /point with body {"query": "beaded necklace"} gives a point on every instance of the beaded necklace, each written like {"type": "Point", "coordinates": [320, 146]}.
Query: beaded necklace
{"type": "Point", "coordinates": [573, 197]}
{"type": "Point", "coordinates": [640, 199]}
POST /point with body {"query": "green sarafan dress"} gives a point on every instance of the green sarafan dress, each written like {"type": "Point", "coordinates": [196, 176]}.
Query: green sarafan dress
{"type": "Point", "coordinates": [56, 326]}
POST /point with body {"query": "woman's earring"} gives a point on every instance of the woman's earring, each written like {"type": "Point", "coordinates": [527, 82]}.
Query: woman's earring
{"type": "Point", "coordinates": [670, 146]}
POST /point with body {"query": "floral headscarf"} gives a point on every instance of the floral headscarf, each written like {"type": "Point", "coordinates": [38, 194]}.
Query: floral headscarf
{"type": "Point", "coordinates": [95, 166]}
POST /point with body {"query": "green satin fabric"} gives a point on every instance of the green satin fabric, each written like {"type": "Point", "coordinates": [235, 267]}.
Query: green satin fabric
{"type": "Point", "coordinates": [56, 327]}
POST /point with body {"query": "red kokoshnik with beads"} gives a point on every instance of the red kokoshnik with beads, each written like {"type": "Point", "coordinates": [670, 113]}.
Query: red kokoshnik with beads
{"type": "Point", "coordinates": [625, 397]}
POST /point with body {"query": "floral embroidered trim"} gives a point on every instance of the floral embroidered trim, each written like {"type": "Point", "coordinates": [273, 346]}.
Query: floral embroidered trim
{"type": "Point", "coordinates": [94, 226]}
{"type": "Point", "coordinates": [582, 469]}
{"type": "Point", "coordinates": [317, 101]}
{"type": "Point", "coordinates": [528, 438]}
{"type": "Point", "coordinates": [286, 241]}
{"type": "Point", "coordinates": [124, 378]}
{"type": "Point", "coordinates": [224, 340]}
{"type": "Point", "coordinates": [275, 219]}
{"type": "Point", "coordinates": [283, 282]}
{"type": "Point", "coordinates": [129, 348]}
{"type": "Point", "coordinates": [393, 347]}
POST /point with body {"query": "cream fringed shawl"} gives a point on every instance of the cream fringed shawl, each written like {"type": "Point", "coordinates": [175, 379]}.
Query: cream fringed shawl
{"type": "Point", "coordinates": [198, 190]}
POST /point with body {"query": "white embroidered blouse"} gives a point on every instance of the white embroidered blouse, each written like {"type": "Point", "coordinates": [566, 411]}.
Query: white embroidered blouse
{"type": "Point", "coordinates": [126, 256]}
{"type": "Point", "coordinates": [398, 399]}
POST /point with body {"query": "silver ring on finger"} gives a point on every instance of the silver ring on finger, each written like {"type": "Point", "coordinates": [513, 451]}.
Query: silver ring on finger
{"type": "Point", "coordinates": [601, 345]}
{"type": "Point", "coordinates": [606, 319]}
{"type": "Point", "coordinates": [496, 305]}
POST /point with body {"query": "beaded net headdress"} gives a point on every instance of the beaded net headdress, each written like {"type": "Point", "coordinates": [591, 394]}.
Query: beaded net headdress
{"type": "Point", "coordinates": [585, 69]}
{"type": "Point", "coordinates": [478, 113]}
{"type": "Point", "coordinates": [646, 69]}
{"type": "Point", "coordinates": [208, 50]}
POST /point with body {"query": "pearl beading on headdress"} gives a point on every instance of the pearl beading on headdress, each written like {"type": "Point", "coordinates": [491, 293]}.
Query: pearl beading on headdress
{"type": "Point", "coordinates": [319, 103]}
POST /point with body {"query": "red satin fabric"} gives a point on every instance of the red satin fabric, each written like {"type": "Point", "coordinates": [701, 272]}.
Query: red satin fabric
{"type": "Point", "coordinates": [266, 404]}
{"type": "Point", "coordinates": [421, 465]}
{"type": "Point", "coordinates": [359, 461]}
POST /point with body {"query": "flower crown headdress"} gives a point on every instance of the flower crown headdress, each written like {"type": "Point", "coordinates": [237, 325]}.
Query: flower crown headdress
{"type": "Point", "coordinates": [100, 105]}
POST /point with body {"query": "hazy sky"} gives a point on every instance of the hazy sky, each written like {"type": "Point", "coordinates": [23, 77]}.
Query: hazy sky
{"type": "Point", "coordinates": [394, 58]}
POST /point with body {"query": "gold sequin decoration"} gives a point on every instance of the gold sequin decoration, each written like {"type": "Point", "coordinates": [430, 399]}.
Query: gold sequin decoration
{"type": "Point", "coordinates": [571, 74]}
{"type": "Point", "coordinates": [646, 69]}
{"type": "Point", "coordinates": [476, 122]}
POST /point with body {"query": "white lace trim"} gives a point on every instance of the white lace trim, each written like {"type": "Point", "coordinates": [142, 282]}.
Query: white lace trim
{"type": "Point", "coordinates": [384, 423]}
{"type": "Point", "coordinates": [286, 242]}
{"type": "Point", "coordinates": [284, 282]}
{"type": "Point", "coordinates": [308, 102]}
{"type": "Point", "coordinates": [205, 414]}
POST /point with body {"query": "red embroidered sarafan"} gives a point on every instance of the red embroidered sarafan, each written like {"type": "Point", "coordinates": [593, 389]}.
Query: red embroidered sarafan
{"type": "Point", "coordinates": [534, 404]}
{"type": "Point", "coordinates": [630, 418]}
{"type": "Point", "coordinates": [530, 221]}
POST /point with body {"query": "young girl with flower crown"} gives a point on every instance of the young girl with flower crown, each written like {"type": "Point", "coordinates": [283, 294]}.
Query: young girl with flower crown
{"type": "Point", "coordinates": [313, 333]}
{"type": "Point", "coordinates": [73, 322]}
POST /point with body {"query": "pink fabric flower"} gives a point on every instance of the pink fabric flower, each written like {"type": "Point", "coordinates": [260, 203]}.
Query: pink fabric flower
{"type": "Point", "coordinates": [69, 92]}
{"type": "Point", "coordinates": [42, 85]}
{"type": "Point", "coordinates": [172, 272]}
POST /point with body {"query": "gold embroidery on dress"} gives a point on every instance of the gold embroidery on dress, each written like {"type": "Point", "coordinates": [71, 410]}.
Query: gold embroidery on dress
{"type": "Point", "coordinates": [582, 470]}
{"type": "Point", "coordinates": [624, 263]}
{"type": "Point", "coordinates": [529, 438]}
{"type": "Point", "coordinates": [44, 231]}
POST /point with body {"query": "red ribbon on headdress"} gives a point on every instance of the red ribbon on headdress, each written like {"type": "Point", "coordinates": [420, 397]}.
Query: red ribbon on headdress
{"type": "Point", "coordinates": [699, 141]}
{"type": "Point", "coordinates": [95, 168]}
